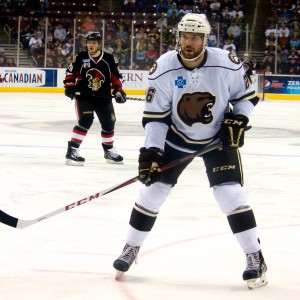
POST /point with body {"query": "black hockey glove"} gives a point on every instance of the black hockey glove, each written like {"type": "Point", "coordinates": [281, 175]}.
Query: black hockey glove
{"type": "Point", "coordinates": [70, 88]}
{"type": "Point", "coordinates": [119, 94]}
{"type": "Point", "coordinates": [232, 130]}
{"type": "Point", "coordinates": [150, 160]}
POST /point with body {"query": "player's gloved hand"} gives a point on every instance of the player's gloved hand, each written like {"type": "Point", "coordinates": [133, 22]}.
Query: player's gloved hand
{"type": "Point", "coordinates": [232, 130]}
{"type": "Point", "coordinates": [150, 160]}
{"type": "Point", "coordinates": [70, 88]}
{"type": "Point", "coordinates": [119, 94]}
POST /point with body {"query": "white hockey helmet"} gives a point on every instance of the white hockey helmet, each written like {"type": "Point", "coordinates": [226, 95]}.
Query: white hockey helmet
{"type": "Point", "coordinates": [196, 23]}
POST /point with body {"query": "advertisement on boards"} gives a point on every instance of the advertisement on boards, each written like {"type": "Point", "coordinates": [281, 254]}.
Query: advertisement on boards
{"type": "Point", "coordinates": [28, 77]}
{"type": "Point", "coordinates": [282, 85]}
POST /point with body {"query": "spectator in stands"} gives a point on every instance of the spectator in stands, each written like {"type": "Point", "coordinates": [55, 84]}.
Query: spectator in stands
{"type": "Point", "coordinates": [162, 22]}
{"type": "Point", "coordinates": [195, 10]}
{"type": "Point", "coordinates": [20, 6]}
{"type": "Point", "coordinates": [285, 14]}
{"type": "Point", "coordinates": [140, 56]}
{"type": "Point", "coordinates": [107, 48]}
{"type": "Point", "coordinates": [2, 62]}
{"type": "Point", "coordinates": [183, 11]}
{"type": "Point", "coordinates": [295, 41]}
{"type": "Point", "coordinates": [282, 60]}
{"type": "Point", "coordinates": [88, 25]}
{"type": "Point", "coordinates": [226, 3]}
{"type": "Point", "coordinates": [43, 5]}
{"type": "Point", "coordinates": [129, 6]}
{"type": "Point", "coordinates": [10, 62]}
{"type": "Point", "coordinates": [215, 6]}
{"type": "Point", "coordinates": [154, 34]}
{"type": "Point", "coordinates": [247, 64]}
{"type": "Point", "coordinates": [256, 66]}
{"type": "Point", "coordinates": [283, 41]}
{"type": "Point", "coordinates": [151, 54]}
{"type": "Point", "coordinates": [124, 61]}
{"type": "Point", "coordinates": [271, 48]}
{"type": "Point", "coordinates": [270, 38]}
{"type": "Point", "coordinates": [269, 63]}
{"type": "Point", "coordinates": [50, 60]}
{"type": "Point", "coordinates": [141, 44]}
{"type": "Point", "coordinates": [293, 54]}
{"type": "Point", "coordinates": [173, 11]}
{"type": "Point", "coordinates": [229, 45]}
{"type": "Point", "coordinates": [162, 6]}
{"type": "Point", "coordinates": [212, 39]}
{"type": "Point", "coordinates": [284, 28]}
{"type": "Point", "coordinates": [293, 66]}
{"type": "Point", "coordinates": [60, 33]}
{"type": "Point", "coordinates": [270, 29]}
{"type": "Point", "coordinates": [3, 57]}
{"type": "Point", "coordinates": [234, 32]}
{"type": "Point", "coordinates": [35, 44]}
{"type": "Point", "coordinates": [122, 34]}
{"type": "Point", "coordinates": [223, 30]}
{"type": "Point", "coordinates": [36, 49]}
{"type": "Point", "coordinates": [141, 5]}
{"type": "Point", "coordinates": [141, 34]}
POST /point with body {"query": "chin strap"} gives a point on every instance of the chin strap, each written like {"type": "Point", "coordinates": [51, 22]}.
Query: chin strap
{"type": "Point", "coordinates": [191, 59]}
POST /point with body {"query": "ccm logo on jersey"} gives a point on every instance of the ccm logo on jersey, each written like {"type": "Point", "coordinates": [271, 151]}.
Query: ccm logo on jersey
{"type": "Point", "coordinates": [224, 168]}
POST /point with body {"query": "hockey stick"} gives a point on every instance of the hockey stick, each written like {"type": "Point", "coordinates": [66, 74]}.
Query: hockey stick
{"type": "Point", "coordinates": [19, 223]}
{"type": "Point", "coordinates": [112, 97]}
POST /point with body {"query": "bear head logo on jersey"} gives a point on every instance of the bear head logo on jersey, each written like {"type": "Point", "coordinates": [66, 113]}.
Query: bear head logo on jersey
{"type": "Point", "coordinates": [95, 79]}
{"type": "Point", "coordinates": [196, 108]}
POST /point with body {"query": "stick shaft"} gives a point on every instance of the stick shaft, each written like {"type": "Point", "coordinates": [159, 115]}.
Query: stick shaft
{"type": "Point", "coordinates": [19, 223]}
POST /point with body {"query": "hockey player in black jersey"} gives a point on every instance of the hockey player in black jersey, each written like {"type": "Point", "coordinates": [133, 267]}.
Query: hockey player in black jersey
{"type": "Point", "coordinates": [196, 96]}
{"type": "Point", "coordinates": [89, 81]}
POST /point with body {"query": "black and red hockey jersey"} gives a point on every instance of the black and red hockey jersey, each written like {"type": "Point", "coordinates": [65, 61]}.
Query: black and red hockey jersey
{"type": "Point", "coordinates": [94, 77]}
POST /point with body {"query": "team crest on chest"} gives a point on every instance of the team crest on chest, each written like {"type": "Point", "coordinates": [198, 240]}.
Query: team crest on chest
{"type": "Point", "coordinates": [95, 79]}
{"type": "Point", "coordinates": [196, 107]}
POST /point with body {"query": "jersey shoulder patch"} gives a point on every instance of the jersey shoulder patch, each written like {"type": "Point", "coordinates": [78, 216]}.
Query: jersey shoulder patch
{"type": "Point", "coordinates": [233, 58]}
{"type": "Point", "coordinates": [153, 68]}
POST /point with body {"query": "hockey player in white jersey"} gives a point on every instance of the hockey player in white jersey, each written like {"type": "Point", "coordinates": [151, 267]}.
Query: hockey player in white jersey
{"type": "Point", "coordinates": [195, 97]}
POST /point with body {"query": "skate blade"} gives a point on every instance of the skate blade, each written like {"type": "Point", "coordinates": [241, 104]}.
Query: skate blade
{"type": "Point", "coordinates": [119, 274]}
{"type": "Point", "coordinates": [71, 162]}
{"type": "Point", "coordinates": [109, 161]}
{"type": "Point", "coordinates": [257, 282]}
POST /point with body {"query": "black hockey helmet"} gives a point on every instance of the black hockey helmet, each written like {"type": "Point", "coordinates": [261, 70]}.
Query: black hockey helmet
{"type": "Point", "coordinates": [93, 36]}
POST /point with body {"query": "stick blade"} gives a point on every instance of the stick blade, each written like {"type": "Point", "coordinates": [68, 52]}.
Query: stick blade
{"type": "Point", "coordinates": [8, 220]}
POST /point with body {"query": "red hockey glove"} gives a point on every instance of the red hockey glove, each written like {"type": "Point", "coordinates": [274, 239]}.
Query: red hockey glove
{"type": "Point", "coordinates": [232, 130]}
{"type": "Point", "coordinates": [119, 94]}
{"type": "Point", "coordinates": [150, 160]}
{"type": "Point", "coordinates": [70, 88]}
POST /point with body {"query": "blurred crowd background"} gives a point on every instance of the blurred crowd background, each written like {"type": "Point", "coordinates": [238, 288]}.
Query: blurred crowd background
{"type": "Point", "coordinates": [43, 33]}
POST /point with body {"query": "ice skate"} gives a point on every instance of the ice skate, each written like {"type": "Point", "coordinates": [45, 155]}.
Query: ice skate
{"type": "Point", "coordinates": [73, 157]}
{"type": "Point", "coordinates": [125, 260]}
{"type": "Point", "coordinates": [255, 273]}
{"type": "Point", "coordinates": [112, 156]}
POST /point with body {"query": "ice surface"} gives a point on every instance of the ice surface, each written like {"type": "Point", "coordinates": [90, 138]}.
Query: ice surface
{"type": "Point", "coordinates": [190, 254]}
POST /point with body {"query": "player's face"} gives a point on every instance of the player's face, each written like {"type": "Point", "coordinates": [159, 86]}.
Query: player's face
{"type": "Point", "coordinates": [191, 44]}
{"type": "Point", "coordinates": [93, 47]}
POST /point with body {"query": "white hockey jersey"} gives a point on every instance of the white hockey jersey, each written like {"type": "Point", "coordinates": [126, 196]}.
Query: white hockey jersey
{"type": "Point", "coordinates": [192, 102]}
